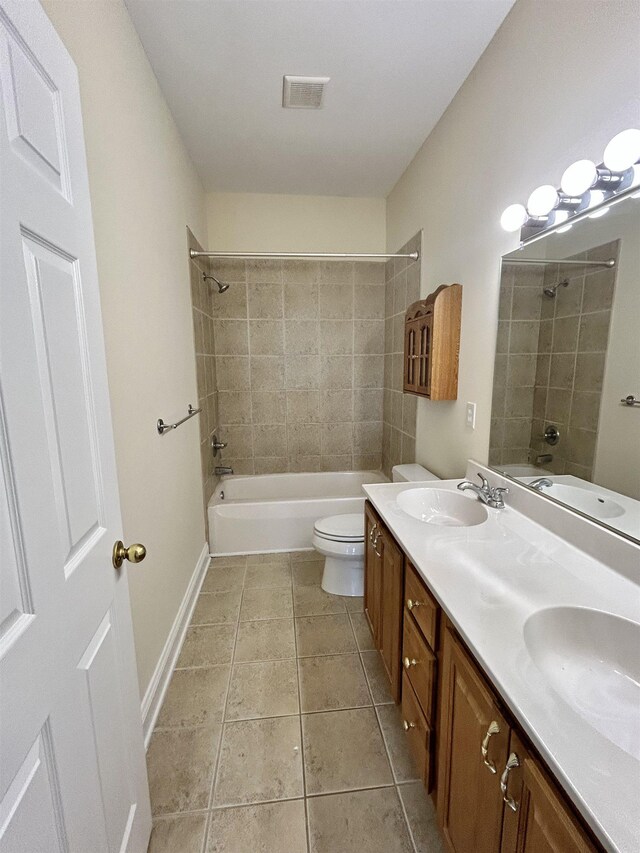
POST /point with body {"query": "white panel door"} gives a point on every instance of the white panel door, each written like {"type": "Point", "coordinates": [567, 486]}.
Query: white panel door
{"type": "Point", "coordinates": [72, 769]}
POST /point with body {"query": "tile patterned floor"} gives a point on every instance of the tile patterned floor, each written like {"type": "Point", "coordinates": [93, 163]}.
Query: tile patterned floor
{"type": "Point", "coordinates": [278, 733]}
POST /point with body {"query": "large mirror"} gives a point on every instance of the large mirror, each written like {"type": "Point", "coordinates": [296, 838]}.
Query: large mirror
{"type": "Point", "coordinates": [568, 355]}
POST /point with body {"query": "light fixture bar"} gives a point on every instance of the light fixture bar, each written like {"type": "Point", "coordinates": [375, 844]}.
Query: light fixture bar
{"type": "Point", "coordinates": [610, 263]}
{"type": "Point", "coordinates": [287, 256]}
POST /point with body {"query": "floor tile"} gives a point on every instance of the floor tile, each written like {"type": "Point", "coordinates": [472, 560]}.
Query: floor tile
{"type": "Point", "coordinates": [402, 764]}
{"type": "Point", "coordinates": [267, 689]}
{"type": "Point", "coordinates": [356, 822]}
{"type": "Point", "coordinates": [307, 574]}
{"type": "Point", "coordinates": [180, 764]}
{"type": "Point", "coordinates": [261, 559]}
{"type": "Point", "coordinates": [362, 631]}
{"type": "Point", "coordinates": [216, 608]}
{"type": "Point", "coordinates": [259, 760]}
{"type": "Point", "coordinates": [172, 834]}
{"type": "Point", "coordinates": [269, 639]}
{"type": "Point", "coordinates": [207, 645]}
{"type": "Point", "coordinates": [421, 815]}
{"type": "Point", "coordinates": [343, 750]}
{"type": "Point", "coordinates": [314, 601]}
{"type": "Point", "coordinates": [303, 556]}
{"type": "Point", "coordinates": [324, 635]}
{"type": "Point", "coordinates": [377, 678]}
{"type": "Point", "coordinates": [195, 697]}
{"type": "Point", "coordinates": [266, 604]}
{"type": "Point", "coordinates": [354, 603]}
{"type": "Point", "coordinates": [239, 560]}
{"type": "Point", "coordinates": [329, 683]}
{"type": "Point", "coordinates": [268, 575]}
{"type": "Point", "coordinates": [266, 828]}
{"type": "Point", "coordinates": [223, 578]}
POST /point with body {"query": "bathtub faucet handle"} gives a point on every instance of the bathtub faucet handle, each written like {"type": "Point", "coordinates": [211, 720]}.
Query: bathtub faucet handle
{"type": "Point", "coordinates": [217, 445]}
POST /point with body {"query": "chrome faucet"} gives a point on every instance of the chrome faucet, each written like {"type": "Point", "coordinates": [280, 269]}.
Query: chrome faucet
{"type": "Point", "coordinates": [491, 496]}
{"type": "Point", "coordinates": [540, 484]}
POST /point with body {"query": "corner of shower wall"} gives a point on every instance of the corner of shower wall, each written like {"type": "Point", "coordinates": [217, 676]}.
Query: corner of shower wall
{"type": "Point", "coordinates": [204, 349]}
{"type": "Point", "coordinates": [402, 288]}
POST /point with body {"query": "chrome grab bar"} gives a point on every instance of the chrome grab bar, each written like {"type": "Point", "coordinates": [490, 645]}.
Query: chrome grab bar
{"type": "Point", "coordinates": [162, 427]}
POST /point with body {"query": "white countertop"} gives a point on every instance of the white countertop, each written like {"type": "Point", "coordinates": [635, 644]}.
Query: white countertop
{"type": "Point", "coordinates": [489, 579]}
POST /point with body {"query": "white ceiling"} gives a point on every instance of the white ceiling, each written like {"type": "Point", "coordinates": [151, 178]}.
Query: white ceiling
{"type": "Point", "coordinates": [394, 65]}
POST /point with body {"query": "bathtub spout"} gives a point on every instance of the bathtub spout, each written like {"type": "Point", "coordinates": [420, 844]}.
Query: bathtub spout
{"type": "Point", "coordinates": [221, 470]}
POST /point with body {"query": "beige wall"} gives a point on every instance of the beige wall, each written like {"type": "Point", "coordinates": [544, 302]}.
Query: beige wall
{"type": "Point", "coordinates": [555, 84]}
{"type": "Point", "coordinates": [144, 191]}
{"type": "Point", "coordinates": [295, 223]}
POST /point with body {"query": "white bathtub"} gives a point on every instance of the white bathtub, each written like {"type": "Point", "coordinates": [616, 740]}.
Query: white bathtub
{"type": "Point", "coordinates": [276, 512]}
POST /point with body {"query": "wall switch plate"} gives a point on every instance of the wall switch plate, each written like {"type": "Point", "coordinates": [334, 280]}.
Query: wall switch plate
{"type": "Point", "coordinates": [471, 415]}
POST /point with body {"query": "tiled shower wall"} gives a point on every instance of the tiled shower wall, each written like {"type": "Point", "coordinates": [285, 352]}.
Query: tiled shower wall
{"type": "Point", "coordinates": [402, 287]}
{"type": "Point", "coordinates": [299, 363]}
{"type": "Point", "coordinates": [203, 333]}
{"type": "Point", "coordinates": [550, 363]}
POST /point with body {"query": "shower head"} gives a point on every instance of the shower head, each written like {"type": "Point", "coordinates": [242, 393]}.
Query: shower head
{"type": "Point", "coordinates": [221, 287]}
{"type": "Point", "coordinates": [551, 291]}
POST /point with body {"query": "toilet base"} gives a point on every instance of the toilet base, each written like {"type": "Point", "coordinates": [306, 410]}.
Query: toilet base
{"type": "Point", "coordinates": [343, 575]}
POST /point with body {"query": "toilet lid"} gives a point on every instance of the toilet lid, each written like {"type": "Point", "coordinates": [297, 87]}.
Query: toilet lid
{"type": "Point", "coordinates": [343, 528]}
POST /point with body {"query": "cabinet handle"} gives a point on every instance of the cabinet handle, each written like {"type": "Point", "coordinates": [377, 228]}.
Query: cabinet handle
{"type": "Point", "coordinates": [407, 725]}
{"type": "Point", "coordinates": [372, 532]}
{"type": "Point", "coordinates": [411, 604]}
{"type": "Point", "coordinates": [375, 549]}
{"type": "Point", "coordinates": [409, 663]}
{"type": "Point", "coordinates": [493, 729]}
{"type": "Point", "coordinates": [512, 762]}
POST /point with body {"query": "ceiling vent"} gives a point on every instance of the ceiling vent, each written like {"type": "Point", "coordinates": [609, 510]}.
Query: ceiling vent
{"type": "Point", "coordinates": [306, 93]}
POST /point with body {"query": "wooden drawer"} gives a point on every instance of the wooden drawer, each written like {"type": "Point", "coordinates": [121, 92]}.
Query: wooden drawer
{"type": "Point", "coordinates": [417, 732]}
{"type": "Point", "coordinates": [421, 604]}
{"type": "Point", "coordinates": [419, 664]}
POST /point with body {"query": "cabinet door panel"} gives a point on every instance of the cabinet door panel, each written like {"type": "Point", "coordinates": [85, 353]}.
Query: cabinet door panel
{"type": "Point", "coordinates": [422, 606]}
{"type": "Point", "coordinates": [391, 610]}
{"type": "Point", "coordinates": [420, 666]}
{"type": "Point", "coordinates": [417, 732]}
{"type": "Point", "coordinates": [372, 574]}
{"type": "Point", "coordinates": [469, 803]}
{"type": "Point", "coordinates": [542, 821]}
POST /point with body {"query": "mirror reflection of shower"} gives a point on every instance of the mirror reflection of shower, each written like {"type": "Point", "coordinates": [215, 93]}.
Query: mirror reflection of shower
{"type": "Point", "coordinates": [551, 291]}
{"type": "Point", "coordinates": [221, 287]}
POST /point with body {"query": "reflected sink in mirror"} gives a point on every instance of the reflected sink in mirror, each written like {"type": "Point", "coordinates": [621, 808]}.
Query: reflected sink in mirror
{"type": "Point", "coordinates": [585, 500]}
{"type": "Point", "coordinates": [590, 658]}
{"type": "Point", "coordinates": [437, 506]}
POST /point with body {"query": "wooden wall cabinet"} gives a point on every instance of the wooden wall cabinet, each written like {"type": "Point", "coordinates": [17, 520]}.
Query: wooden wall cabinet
{"type": "Point", "coordinates": [432, 344]}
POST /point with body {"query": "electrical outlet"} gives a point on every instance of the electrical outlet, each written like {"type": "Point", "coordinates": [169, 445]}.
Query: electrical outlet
{"type": "Point", "coordinates": [471, 415]}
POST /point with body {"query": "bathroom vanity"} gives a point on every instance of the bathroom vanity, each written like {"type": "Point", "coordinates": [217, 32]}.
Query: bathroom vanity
{"type": "Point", "coordinates": [512, 654]}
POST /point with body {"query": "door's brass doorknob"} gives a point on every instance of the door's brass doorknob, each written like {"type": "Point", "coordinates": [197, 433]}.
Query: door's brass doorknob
{"type": "Point", "coordinates": [134, 553]}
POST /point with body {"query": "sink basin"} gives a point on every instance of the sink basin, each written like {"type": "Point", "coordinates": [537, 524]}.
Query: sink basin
{"type": "Point", "coordinates": [437, 506]}
{"type": "Point", "coordinates": [585, 500]}
{"type": "Point", "coordinates": [590, 658]}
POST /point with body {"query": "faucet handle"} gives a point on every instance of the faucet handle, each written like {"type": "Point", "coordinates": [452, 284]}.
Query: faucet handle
{"type": "Point", "coordinates": [485, 482]}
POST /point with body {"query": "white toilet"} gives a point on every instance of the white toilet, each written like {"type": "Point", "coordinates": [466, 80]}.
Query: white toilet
{"type": "Point", "coordinates": [340, 539]}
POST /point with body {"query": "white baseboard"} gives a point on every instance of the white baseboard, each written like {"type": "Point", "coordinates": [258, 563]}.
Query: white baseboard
{"type": "Point", "coordinates": [155, 692]}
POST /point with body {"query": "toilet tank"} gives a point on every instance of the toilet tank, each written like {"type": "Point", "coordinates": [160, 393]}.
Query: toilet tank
{"type": "Point", "coordinates": [411, 474]}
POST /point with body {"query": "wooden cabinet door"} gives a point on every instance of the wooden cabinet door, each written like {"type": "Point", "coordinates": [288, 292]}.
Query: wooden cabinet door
{"type": "Point", "coordinates": [391, 611]}
{"type": "Point", "coordinates": [469, 801]}
{"type": "Point", "coordinates": [373, 573]}
{"type": "Point", "coordinates": [536, 818]}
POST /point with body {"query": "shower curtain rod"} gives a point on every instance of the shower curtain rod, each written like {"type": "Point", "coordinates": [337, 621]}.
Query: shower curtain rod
{"type": "Point", "coordinates": [610, 263]}
{"type": "Point", "coordinates": [290, 255]}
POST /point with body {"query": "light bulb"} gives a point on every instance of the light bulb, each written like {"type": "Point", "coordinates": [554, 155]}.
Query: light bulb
{"type": "Point", "coordinates": [600, 212]}
{"type": "Point", "coordinates": [623, 151]}
{"type": "Point", "coordinates": [594, 198]}
{"type": "Point", "coordinates": [514, 217]}
{"type": "Point", "coordinates": [579, 177]}
{"type": "Point", "coordinates": [542, 200]}
{"type": "Point", "coordinates": [558, 217]}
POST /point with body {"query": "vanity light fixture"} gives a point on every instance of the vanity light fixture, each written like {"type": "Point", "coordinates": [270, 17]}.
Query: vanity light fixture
{"type": "Point", "coordinates": [586, 189]}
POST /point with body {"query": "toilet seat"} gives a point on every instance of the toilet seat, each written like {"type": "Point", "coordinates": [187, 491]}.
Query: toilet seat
{"type": "Point", "coordinates": [341, 528]}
